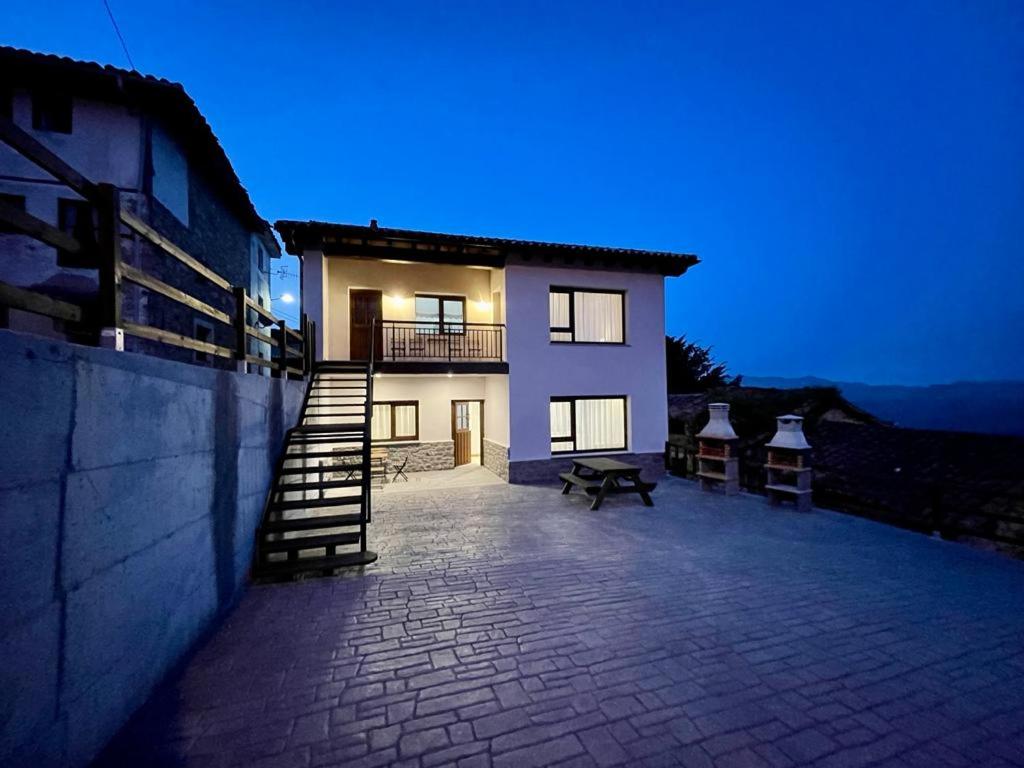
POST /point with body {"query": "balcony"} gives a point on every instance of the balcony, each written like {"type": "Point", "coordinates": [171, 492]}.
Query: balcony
{"type": "Point", "coordinates": [413, 346]}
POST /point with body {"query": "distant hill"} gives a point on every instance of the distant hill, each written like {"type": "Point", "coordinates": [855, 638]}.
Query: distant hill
{"type": "Point", "coordinates": [992, 407]}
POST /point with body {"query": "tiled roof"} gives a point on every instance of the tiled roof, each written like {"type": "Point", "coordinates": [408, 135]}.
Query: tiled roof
{"type": "Point", "coordinates": [164, 98]}
{"type": "Point", "coordinates": [426, 246]}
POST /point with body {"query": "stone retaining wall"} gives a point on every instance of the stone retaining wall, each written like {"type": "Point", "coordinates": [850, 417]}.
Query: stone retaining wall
{"type": "Point", "coordinates": [422, 456]}
{"type": "Point", "coordinates": [495, 458]}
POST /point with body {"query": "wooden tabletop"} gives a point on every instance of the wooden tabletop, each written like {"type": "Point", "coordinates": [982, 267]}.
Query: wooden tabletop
{"type": "Point", "coordinates": [603, 464]}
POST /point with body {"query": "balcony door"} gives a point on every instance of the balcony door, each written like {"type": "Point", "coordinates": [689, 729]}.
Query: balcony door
{"type": "Point", "coordinates": [364, 306]}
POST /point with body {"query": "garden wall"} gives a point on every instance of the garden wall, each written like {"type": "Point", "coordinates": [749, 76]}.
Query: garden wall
{"type": "Point", "coordinates": [130, 491]}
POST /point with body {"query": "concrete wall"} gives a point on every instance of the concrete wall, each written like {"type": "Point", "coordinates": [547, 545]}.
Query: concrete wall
{"type": "Point", "coordinates": [130, 490]}
{"type": "Point", "coordinates": [539, 369]}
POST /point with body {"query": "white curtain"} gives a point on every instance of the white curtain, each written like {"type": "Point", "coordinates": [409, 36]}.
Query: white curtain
{"type": "Point", "coordinates": [598, 316]}
{"type": "Point", "coordinates": [405, 420]}
{"type": "Point", "coordinates": [380, 425]}
{"type": "Point", "coordinates": [600, 424]}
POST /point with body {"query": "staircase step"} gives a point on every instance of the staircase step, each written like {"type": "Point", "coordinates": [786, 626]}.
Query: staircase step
{"type": "Point", "coordinates": [330, 501]}
{"type": "Point", "coordinates": [303, 487]}
{"type": "Point", "coordinates": [324, 454]}
{"type": "Point", "coordinates": [309, 542]}
{"type": "Point", "coordinates": [318, 470]}
{"type": "Point", "coordinates": [355, 428]}
{"type": "Point", "coordinates": [311, 523]}
{"type": "Point", "coordinates": [314, 564]}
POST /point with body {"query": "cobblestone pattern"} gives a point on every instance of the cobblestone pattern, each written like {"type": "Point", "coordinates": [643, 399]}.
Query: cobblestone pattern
{"type": "Point", "coordinates": [495, 458]}
{"type": "Point", "coordinates": [543, 471]}
{"type": "Point", "coordinates": [511, 626]}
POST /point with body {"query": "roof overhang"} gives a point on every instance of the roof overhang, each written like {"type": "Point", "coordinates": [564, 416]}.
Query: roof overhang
{"type": "Point", "coordinates": [375, 242]}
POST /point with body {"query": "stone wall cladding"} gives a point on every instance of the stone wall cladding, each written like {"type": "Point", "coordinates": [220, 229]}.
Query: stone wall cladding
{"type": "Point", "coordinates": [545, 471]}
{"type": "Point", "coordinates": [140, 482]}
{"type": "Point", "coordinates": [422, 456]}
{"type": "Point", "coordinates": [495, 458]}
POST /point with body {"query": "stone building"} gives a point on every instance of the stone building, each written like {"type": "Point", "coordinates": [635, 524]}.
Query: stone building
{"type": "Point", "coordinates": [146, 137]}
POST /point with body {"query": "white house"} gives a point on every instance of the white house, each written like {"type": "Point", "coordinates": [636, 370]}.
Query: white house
{"type": "Point", "coordinates": [510, 353]}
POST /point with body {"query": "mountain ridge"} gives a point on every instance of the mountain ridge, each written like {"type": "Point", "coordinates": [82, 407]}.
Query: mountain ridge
{"type": "Point", "coordinates": [988, 407]}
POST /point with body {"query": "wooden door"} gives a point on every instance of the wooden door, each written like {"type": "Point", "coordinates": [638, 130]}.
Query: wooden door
{"type": "Point", "coordinates": [365, 306]}
{"type": "Point", "coordinates": [461, 433]}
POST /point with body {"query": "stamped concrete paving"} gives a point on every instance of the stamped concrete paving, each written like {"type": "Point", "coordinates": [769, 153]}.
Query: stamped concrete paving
{"type": "Point", "coordinates": [511, 626]}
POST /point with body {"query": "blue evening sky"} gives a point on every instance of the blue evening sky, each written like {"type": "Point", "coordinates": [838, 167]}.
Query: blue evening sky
{"type": "Point", "coordinates": [852, 174]}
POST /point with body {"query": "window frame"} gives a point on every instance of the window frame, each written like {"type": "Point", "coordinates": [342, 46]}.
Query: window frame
{"type": "Point", "coordinates": [15, 201]}
{"type": "Point", "coordinates": [198, 324]}
{"type": "Point", "coordinates": [571, 292]}
{"type": "Point", "coordinates": [84, 231]}
{"type": "Point", "coordinates": [443, 328]}
{"type": "Point", "coordinates": [572, 400]}
{"type": "Point", "coordinates": [391, 427]}
{"type": "Point", "coordinates": [51, 101]}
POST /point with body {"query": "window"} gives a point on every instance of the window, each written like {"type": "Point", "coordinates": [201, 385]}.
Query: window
{"type": "Point", "coordinates": [581, 424]}
{"type": "Point", "coordinates": [14, 201]}
{"type": "Point", "coordinates": [203, 331]}
{"type": "Point", "coordinates": [51, 112]}
{"type": "Point", "coordinates": [75, 218]}
{"type": "Point", "coordinates": [440, 314]}
{"type": "Point", "coordinates": [586, 317]}
{"type": "Point", "coordinates": [395, 420]}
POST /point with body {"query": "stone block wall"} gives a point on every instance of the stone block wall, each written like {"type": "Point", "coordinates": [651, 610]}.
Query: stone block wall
{"type": "Point", "coordinates": [495, 458]}
{"type": "Point", "coordinates": [545, 471]}
{"type": "Point", "coordinates": [422, 456]}
{"type": "Point", "coordinates": [130, 491]}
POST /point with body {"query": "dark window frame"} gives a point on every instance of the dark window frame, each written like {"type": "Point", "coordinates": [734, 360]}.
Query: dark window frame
{"type": "Point", "coordinates": [15, 201]}
{"type": "Point", "coordinates": [391, 427]}
{"type": "Point", "coordinates": [200, 324]}
{"type": "Point", "coordinates": [83, 230]}
{"type": "Point", "coordinates": [53, 111]}
{"type": "Point", "coordinates": [7, 102]}
{"type": "Point", "coordinates": [443, 329]}
{"type": "Point", "coordinates": [572, 400]}
{"type": "Point", "coordinates": [571, 328]}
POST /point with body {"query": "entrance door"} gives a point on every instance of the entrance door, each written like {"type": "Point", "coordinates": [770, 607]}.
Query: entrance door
{"type": "Point", "coordinates": [468, 431]}
{"type": "Point", "coordinates": [365, 306]}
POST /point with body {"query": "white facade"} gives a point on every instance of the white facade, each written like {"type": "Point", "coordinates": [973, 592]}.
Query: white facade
{"type": "Point", "coordinates": [634, 369]}
{"type": "Point", "coordinates": [516, 405]}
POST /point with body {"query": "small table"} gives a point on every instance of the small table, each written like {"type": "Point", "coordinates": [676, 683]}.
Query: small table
{"type": "Point", "coordinates": [600, 476]}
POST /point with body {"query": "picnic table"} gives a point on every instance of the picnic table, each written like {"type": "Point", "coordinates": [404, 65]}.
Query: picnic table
{"type": "Point", "coordinates": [601, 476]}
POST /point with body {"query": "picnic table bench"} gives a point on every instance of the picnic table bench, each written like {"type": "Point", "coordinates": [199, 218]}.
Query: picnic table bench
{"type": "Point", "coordinates": [601, 476]}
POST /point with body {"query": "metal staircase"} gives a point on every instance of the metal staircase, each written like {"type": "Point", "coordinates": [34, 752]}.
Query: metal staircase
{"type": "Point", "coordinates": [317, 511]}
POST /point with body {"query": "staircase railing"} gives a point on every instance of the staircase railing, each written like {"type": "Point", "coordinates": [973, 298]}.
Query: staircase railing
{"type": "Point", "coordinates": [367, 436]}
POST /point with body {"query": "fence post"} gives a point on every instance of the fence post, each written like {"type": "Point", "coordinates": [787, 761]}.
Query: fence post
{"type": "Point", "coordinates": [108, 210]}
{"type": "Point", "coordinates": [241, 321]}
{"type": "Point", "coordinates": [281, 334]}
{"type": "Point", "coordinates": [305, 344]}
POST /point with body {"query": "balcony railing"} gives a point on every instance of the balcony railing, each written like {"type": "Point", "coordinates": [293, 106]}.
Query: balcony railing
{"type": "Point", "coordinates": [433, 341]}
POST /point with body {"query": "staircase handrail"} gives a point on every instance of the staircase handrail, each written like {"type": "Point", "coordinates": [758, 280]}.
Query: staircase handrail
{"type": "Point", "coordinates": [367, 434]}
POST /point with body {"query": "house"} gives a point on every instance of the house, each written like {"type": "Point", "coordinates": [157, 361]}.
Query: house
{"type": "Point", "coordinates": [508, 353]}
{"type": "Point", "coordinates": [148, 138]}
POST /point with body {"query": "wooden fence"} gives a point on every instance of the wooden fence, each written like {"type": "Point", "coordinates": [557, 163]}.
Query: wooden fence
{"type": "Point", "coordinates": [291, 349]}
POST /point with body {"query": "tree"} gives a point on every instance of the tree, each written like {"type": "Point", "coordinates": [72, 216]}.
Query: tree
{"type": "Point", "coordinates": [691, 367]}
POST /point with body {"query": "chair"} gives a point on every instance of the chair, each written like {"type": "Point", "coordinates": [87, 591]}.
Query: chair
{"type": "Point", "coordinates": [400, 471]}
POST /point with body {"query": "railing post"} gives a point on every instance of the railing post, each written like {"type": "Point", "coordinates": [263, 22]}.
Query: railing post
{"type": "Point", "coordinates": [108, 209]}
{"type": "Point", "coordinates": [241, 321]}
{"type": "Point", "coordinates": [281, 334]}
{"type": "Point", "coordinates": [306, 364]}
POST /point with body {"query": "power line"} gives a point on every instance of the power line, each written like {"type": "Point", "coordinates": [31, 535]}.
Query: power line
{"type": "Point", "coordinates": [120, 37]}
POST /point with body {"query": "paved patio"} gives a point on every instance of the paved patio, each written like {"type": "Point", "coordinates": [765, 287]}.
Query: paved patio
{"type": "Point", "coordinates": [511, 626]}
